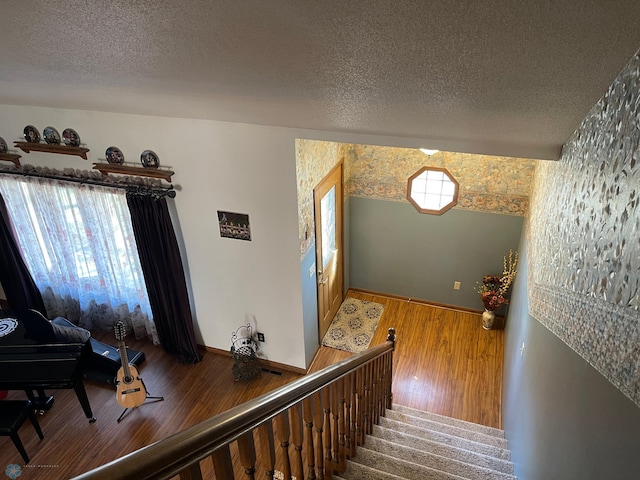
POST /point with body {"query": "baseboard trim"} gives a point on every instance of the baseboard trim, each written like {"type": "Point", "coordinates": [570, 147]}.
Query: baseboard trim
{"type": "Point", "coordinates": [500, 319]}
{"type": "Point", "coordinates": [266, 364]}
{"type": "Point", "coordinates": [414, 300]}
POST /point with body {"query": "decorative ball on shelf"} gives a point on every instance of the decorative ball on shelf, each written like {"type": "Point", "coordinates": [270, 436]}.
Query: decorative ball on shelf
{"type": "Point", "coordinates": [149, 159]}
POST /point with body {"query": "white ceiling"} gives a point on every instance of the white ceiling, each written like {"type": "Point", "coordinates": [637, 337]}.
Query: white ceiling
{"type": "Point", "coordinates": [494, 75]}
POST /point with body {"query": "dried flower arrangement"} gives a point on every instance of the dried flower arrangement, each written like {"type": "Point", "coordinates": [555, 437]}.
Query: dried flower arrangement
{"type": "Point", "coordinates": [493, 290]}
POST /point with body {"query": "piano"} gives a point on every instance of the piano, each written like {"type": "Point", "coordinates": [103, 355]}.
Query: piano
{"type": "Point", "coordinates": [31, 359]}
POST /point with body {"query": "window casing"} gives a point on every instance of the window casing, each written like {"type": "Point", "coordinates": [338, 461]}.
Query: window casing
{"type": "Point", "coordinates": [432, 190]}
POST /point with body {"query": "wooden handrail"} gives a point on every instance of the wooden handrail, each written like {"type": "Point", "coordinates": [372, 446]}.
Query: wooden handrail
{"type": "Point", "coordinates": [179, 452]}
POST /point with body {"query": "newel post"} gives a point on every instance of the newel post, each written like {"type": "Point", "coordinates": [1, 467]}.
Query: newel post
{"type": "Point", "coordinates": [391, 337]}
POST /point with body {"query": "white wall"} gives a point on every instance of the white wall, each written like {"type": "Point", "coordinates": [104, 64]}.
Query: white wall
{"type": "Point", "coordinates": [234, 167]}
{"type": "Point", "coordinates": [220, 166]}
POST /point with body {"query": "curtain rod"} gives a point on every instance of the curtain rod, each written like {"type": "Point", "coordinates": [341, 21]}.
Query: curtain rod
{"type": "Point", "coordinates": [84, 177]}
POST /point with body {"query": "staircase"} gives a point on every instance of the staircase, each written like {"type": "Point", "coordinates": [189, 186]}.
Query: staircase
{"type": "Point", "coordinates": [412, 444]}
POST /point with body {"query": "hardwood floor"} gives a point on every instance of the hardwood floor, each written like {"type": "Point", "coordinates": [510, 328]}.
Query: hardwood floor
{"type": "Point", "coordinates": [444, 362]}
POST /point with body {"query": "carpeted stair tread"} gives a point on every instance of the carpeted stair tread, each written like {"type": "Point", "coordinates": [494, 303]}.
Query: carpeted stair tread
{"type": "Point", "coordinates": [445, 464]}
{"type": "Point", "coordinates": [412, 445]}
{"type": "Point", "coordinates": [449, 420]}
{"type": "Point", "coordinates": [441, 449]}
{"type": "Point", "coordinates": [429, 424]}
{"type": "Point", "coordinates": [446, 438]}
{"type": "Point", "coordinates": [358, 471]}
{"type": "Point", "coordinates": [401, 468]}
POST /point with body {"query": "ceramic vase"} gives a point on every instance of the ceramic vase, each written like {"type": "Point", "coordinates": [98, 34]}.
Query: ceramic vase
{"type": "Point", "coordinates": [488, 319]}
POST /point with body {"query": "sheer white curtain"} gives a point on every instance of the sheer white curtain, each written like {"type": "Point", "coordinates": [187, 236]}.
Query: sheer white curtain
{"type": "Point", "coordinates": [78, 244]}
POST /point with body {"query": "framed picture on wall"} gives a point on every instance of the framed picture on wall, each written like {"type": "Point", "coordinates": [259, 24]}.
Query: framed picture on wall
{"type": "Point", "coordinates": [234, 225]}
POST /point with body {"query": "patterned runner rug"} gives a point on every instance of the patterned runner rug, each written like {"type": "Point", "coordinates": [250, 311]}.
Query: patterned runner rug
{"type": "Point", "coordinates": [353, 326]}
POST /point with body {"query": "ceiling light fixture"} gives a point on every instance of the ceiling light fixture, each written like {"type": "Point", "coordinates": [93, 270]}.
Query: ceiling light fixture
{"type": "Point", "coordinates": [426, 151]}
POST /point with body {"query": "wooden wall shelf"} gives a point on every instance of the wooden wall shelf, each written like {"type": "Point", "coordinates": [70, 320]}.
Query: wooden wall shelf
{"type": "Point", "coordinates": [28, 147]}
{"type": "Point", "coordinates": [106, 168]}
{"type": "Point", "coordinates": [11, 157]}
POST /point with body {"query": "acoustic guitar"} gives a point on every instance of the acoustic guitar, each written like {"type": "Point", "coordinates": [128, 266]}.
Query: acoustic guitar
{"type": "Point", "coordinates": [131, 392]}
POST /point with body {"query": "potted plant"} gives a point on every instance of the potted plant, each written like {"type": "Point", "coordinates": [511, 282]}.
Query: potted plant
{"type": "Point", "coordinates": [494, 289]}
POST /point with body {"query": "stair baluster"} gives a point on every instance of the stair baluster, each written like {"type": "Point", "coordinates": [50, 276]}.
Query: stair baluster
{"type": "Point", "coordinates": [359, 407]}
{"type": "Point", "coordinates": [307, 415]}
{"type": "Point", "coordinates": [297, 469]}
{"type": "Point", "coordinates": [335, 430]}
{"type": "Point", "coordinates": [247, 453]}
{"type": "Point", "coordinates": [222, 466]}
{"type": "Point", "coordinates": [281, 424]}
{"type": "Point", "coordinates": [342, 424]}
{"type": "Point", "coordinates": [353, 417]}
{"type": "Point", "coordinates": [193, 472]}
{"type": "Point", "coordinates": [264, 434]}
{"type": "Point", "coordinates": [376, 393]}
{"type": "Point", "coordinates": [326, 408]}
{"type": "Point", "coordinates": [368, 398]}
{"type": "Point", "coordinates": [318, 421]}
{"type": "Point", "coordinates": [380, 395]}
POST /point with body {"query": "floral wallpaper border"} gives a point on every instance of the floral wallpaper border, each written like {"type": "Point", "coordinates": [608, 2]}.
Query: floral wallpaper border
{"type": "Point", "coordinates": [487, 184]}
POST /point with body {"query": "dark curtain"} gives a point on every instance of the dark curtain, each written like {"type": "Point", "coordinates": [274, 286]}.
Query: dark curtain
{"type": "Point", "coordinates": [17, 282]}
{"type": "Point", "coordinates": [164, 276]}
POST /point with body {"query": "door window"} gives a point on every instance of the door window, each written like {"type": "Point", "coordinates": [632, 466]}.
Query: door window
{"type": "Point", "coordinates": [328, 215]}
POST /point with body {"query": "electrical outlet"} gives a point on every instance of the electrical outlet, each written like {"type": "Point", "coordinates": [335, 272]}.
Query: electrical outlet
{"type": "Point", "coordinates": [456, 285]}
{"type": "Point", "coordinates": [261, 337]}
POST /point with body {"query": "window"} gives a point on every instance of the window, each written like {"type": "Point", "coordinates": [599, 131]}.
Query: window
{"type": "Point", "coordinates": [432, 190]}
{"type": "Point", "coordinates": [78, 244]}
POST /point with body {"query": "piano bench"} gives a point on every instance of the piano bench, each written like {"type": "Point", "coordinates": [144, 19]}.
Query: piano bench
{"type": "Point", "coordinates": [13, 413]}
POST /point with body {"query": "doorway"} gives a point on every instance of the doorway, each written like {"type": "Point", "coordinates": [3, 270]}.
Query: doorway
{"type": "Point", "coordinates": [328, 218]}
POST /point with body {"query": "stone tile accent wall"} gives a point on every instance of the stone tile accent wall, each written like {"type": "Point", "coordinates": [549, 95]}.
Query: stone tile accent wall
{"type": "Point", "coordinates": [584, 237]}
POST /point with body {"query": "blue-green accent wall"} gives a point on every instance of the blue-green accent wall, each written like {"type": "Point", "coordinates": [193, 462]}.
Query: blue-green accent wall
{"type": "Point", "coordinates": [309, 305]}
{"type": "Point", "coordinates": [310, 292]}
{"type": "Point", "coordinates": [562, 418]}
{"type": "Point", "coordinates": [395, 249]}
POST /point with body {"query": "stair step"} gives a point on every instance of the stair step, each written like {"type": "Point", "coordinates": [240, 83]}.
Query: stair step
{"type": "Point", "coordinates": [441, 449]}
{"type": "Point", "coordinates": [395, 466]}
{"type": "Point", "coordinates": [446, 438]}
{"type": "Point", "coordinates": [496, 432]}
{"type": "Point", "coordinates": [445, 464]}
{"type": "Point", "coordinates": [455, 430]}
{"type": "Point", "coordinates": [357, 471]}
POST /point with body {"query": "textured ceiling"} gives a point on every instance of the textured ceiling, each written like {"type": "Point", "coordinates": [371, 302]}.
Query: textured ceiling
{"type": "Point", "coordinates": [494, 75]}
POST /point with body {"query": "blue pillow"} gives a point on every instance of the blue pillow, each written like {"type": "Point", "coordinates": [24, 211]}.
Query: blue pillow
{"type": "Point", "coordinates": [65, 331]}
